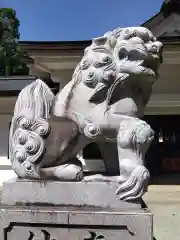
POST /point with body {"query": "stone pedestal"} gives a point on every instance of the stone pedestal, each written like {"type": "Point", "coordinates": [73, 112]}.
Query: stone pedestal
{"type": "Point", "coordinates": [48, 210]}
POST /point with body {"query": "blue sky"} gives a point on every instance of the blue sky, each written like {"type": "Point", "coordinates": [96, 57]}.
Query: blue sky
{"type": "Point", "coordinates": [59, 20]}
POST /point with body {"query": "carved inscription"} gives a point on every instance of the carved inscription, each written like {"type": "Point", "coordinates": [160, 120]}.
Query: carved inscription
{"type": "Point", "coordinates": [94, 236]}
{"type": "Point", "coordinates": [47, 236]}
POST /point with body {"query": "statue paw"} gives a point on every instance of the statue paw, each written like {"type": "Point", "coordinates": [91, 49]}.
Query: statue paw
{"type": "Point", "coordinates": [135, 186]}
{"type": "Point", "coordinates": [68, 172]}
{"type": "Point", "coordinates": [71, 171]}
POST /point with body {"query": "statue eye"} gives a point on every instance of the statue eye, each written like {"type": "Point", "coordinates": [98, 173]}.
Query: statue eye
{"type": "Point", "coordinates": [107, 59]}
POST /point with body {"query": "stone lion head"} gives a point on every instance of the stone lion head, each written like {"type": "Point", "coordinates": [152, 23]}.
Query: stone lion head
{"type": "Point", "coordinates": [117, 55]}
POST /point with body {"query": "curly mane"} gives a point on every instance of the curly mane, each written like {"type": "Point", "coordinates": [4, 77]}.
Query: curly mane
{"type": "Point", "coordinates": [110, 59]}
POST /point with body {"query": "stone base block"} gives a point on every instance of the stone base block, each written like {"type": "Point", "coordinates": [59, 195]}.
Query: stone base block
{"type": "Point", "coordinates": [51, 223]}
{"type": "Point", "coordinates": [96, 195]}
{"type": "Point", "coordinates": [49, 210]}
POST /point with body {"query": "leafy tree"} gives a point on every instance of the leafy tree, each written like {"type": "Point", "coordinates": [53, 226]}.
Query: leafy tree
{"type": "Point", "coordinates": [11, 55]}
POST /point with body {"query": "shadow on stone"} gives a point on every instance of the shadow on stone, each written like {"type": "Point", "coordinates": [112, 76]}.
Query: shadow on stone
{"type": "Point", "coordinates": [143, 204]}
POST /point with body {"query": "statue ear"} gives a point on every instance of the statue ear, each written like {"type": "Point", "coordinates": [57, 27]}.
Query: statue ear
{"type": "Point", "coordinates": [99, 94]}
{"type": "Point", "coordinates": [100, 40]}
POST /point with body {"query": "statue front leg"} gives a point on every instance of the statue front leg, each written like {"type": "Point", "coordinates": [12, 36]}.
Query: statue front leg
{"type": "Point", "coordinates": [133, 140]}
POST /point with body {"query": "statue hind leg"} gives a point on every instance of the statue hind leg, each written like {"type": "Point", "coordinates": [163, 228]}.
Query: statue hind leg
{"type": "Point", "coordinates": [133, 140]}
{"type": "Point", "coordinates": [67, 166]}
{"type": "Point", "coordinates": [36, 148]}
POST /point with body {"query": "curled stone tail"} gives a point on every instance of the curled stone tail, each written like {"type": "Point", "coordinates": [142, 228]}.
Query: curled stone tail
{"type": "Point", "coordinates": [30, 128]}
{"type": "Point", "coordinates": [34, 101]}
{"type": "Point", "coordinates": [135, 186]}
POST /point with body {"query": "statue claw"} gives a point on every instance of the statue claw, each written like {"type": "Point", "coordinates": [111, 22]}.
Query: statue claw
{"type": "Point", "coordinates": [135, 186]}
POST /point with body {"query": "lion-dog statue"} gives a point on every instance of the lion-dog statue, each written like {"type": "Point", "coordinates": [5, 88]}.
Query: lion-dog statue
{"type": "Point", "coordinates": [105, 99]}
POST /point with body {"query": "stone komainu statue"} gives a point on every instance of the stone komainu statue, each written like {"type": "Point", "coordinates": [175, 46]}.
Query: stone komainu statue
{"type": "Point", "coordinates": [105, 98]}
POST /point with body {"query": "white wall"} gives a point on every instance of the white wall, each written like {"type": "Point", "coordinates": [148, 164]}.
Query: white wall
{"type": "Point", "coordinates": [62, 77]}
{"type": "Point", "coordinates": [4, 133]}
{"type": "Point", "coordinates": [6, 171]}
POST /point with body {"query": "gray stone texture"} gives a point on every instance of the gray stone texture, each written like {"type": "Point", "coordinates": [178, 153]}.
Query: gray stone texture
{"type": "Point", "coordinates": [98, 195]}
{"type": "Point", "coordinates": [41, 223]}
{"type": "Point", "coordinates": [41, 210]}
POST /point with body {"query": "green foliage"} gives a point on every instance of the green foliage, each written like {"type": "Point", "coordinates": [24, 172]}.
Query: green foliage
{"type": "Point", "coordinates": [11, 56]}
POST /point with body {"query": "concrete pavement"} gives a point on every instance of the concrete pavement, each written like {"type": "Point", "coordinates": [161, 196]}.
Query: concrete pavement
{"type": "Point", "coordinates": [164, 202]}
